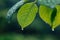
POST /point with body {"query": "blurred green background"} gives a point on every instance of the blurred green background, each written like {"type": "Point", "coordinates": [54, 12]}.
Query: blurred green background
{"type": "Point", "coordinates": [38, 30]}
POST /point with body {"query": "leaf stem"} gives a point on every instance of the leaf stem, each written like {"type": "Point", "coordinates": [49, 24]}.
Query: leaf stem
{"type": "Point", "coordinates": [13, 9]}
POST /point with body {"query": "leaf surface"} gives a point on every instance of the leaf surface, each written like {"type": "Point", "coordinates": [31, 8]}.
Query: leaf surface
{"type": "Point", "coordinates": [56, 22]}
{"type": "Point", "coordinates": [27, 14]}
{"type": "Point", "coordinates": [45, 14]}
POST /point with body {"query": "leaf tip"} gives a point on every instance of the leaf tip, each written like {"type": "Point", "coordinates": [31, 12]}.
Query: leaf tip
{"type": "Point", "coordinates": [52, 29]}
{"type": "Point", "coordinates": [22, 29]}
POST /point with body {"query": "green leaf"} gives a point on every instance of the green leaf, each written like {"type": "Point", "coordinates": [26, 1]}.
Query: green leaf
{"type": "Point", "coordinates": [26, 14]}
{"type": "Point", "coordinates": [45, 14]}
{"type": "Point", "coordinates": [50, 16]}
{"type": "Point", "coordinates": [56, 22]}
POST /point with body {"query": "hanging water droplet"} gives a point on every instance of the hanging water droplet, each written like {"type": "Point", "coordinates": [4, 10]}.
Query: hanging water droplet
{"type": "Point", "coordinates": [52, 29]}
{"type": "Point", "coordinates": [22, 29]}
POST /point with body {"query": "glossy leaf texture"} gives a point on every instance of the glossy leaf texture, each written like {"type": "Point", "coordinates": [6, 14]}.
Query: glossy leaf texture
{"type": "Point", "coordinates": [50, 16]}
{"type": "Point", "coordinates": [27, 14]}
{"type": "Point", "coordinates": [56, 21]}
{"type": "Point", "coordinates": [45, 14]}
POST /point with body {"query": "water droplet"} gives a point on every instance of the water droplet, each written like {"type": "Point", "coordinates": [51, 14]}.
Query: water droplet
{"type": "Point", "coordinates": [22, 29]}
{"type": "Point", "coordinates": [53, 29]}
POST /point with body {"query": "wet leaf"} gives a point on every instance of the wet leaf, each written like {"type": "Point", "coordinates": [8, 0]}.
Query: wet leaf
{"type": "Point", "coordinates": [45, 14]}
{"type": "Point", "coordinates": [50, 16]}
{"type": "Point", "coordinates": [26, 14]}
{"type": "Point", "coordinates": [56, 22]}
